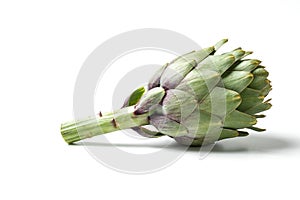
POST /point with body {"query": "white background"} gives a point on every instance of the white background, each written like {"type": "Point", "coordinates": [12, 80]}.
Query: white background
{"type": "Point", "coordinates": [42, 47]}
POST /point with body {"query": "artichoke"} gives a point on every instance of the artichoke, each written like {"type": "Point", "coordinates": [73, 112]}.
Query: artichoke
{"type": "Point", "coordinates": [197, 99]}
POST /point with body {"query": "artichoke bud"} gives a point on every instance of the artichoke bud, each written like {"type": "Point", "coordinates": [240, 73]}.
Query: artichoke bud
{"type": "Point", "coordinates": [209, 97]}
{"type": "Point", "coordinates": [197, 99]}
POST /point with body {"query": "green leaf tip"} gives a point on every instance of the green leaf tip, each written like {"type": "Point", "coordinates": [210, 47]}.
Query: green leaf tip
{"type": "Point", "coordinates": [136, 96]}
{"type": "Point", "coordinates": [220, 43]}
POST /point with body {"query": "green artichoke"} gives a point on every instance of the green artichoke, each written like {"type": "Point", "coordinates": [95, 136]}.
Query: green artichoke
{"type": "Point", "coordinates": [197, 99]}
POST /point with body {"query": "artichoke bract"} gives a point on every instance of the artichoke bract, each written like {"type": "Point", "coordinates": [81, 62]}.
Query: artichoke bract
{"type": "Point", "coordinates": [197, 99]}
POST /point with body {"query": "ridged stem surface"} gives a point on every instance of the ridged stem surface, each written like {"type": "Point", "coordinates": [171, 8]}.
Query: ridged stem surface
{"type": "Point", "coordinates": [109, 122]}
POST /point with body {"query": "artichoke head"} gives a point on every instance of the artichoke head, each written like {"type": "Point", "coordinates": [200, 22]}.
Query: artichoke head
{"type": "Point", "coordinates": [200, 97]}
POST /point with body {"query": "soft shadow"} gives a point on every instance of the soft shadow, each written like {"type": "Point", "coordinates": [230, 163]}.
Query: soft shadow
{"type": "Point", "coordinates": [256, 143]}
{"type": "Point", "coordinates": [252, 143]}
{"type": "Point", "coordinates": [151, 144]}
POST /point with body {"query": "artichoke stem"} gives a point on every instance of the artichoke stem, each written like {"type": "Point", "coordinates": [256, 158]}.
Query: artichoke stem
{"type": "Point", "coordinates": [106, 123]}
